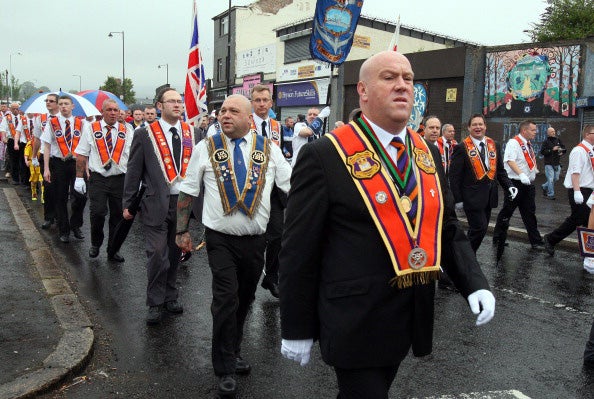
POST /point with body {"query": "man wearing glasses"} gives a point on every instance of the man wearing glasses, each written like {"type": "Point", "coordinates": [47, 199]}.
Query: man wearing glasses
{"type": "Point", "coordinates": [158, 159]}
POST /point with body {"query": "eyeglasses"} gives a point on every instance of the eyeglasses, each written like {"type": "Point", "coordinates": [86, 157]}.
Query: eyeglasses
{"type": "Point", "coordinates": [50, 101]}
{"type": "Point", "coordinates": [173, 102]}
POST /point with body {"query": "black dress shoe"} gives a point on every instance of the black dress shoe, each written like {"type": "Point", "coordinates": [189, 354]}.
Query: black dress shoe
{"type": "Point", "coordinates": [227, 385]}
{"type": "Point", "coordinates": [242, 366]}
{"type": "Point", "coordinates": [115, 258]}
{"type": "Point", "coordinates": [65, 239]}
{"type": "Point", "coordinates": [47, 224]}
{"type": "Point", "coordinates": [154, 316]}
{"type": "Point", "coordinates": [77, 233]}
{"type": "Point", "coordinates": [538, 245]}
{"type": "Point", "coordinates": [93, 251]}
{"type": "Point", "coordinates": [550, 248]}
{"type": "Point", "coordinates": [270, 286]}
{"type": "Point", "coordinates": [174, 307]}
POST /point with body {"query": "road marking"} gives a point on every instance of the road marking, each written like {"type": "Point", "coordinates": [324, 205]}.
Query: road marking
{"type": "Point", "coordinates": [513, 394]}
{"type": "Point", "coordinates": [544, 301]}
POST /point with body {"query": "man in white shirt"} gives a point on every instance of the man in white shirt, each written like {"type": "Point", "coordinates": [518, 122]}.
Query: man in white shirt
{"type": "Point", "coordinates": [10, 128]}
{"type": "Point", "coordinates": [303, 133]}
{"type": "Point", "coordinates": [103, 150]}
{"type": "Point", "coordinates": [236, 212]}
{"type": "Point", "coordinates": [520, 164]}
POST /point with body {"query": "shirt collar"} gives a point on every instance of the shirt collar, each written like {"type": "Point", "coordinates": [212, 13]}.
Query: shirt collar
{"type": "Point", "coordinates": [478, 142]}
{"type": "Point", "coordinates": [166, 126]}
{"type": "Point", "coordinates": [258, 121]}
{"type": "Point", "coordinates": [384, 136]}
{"type": "Point", "coordinates": [590, 146]}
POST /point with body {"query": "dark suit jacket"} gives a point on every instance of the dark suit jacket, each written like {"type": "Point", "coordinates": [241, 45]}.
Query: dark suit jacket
{"type": "Point", "coordinates": [335, 270]}
{"type": "Point", "coordinates": [475, 194]}
{"type": "Point", "coordinates": [143, 165]}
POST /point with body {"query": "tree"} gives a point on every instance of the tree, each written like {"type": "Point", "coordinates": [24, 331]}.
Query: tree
{"type": "Point", "coordinates": [28, 89]}
{"type": "Point", "coordinates": [114, 85]}
{"type": "Point", "coordinates": [564, 20]}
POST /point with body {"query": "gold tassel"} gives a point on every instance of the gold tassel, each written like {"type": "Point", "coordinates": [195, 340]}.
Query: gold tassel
{"type": "Point", "coordinates": [416, 278]}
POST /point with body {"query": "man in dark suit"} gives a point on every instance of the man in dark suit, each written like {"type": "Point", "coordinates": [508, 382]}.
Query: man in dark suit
{"type": "Point", "coordinates": [475, 169]}
{"type": "Point", "coordinates": [354, 271]}
{"type": "Point", "coordinates": [158, 158]}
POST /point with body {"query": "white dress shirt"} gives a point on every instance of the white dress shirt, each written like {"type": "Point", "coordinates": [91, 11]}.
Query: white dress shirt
{"type": "Point", "coordinates": [87, 146]}
{"type": "Point", "coordinates": [386, 137]}
{"type": "Point", "coordinates": [513, 152]}
{"type": "Point", "coordinates": [477, 145]}
{"type": "Point", "coordinates": [174, 188]}
{"type": "Point", "coordinates": [200, 171]}
{"type": "Point", "coordinates": [16, 120]}
{"type": "Point", "coordinates": [579, 162]}
{"type": "Point", "coordinates": [48, 136]}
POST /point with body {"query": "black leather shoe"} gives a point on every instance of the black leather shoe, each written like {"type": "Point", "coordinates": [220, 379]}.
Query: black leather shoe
{"type": "Point", "coordinates": [47, 224]}
{"type": "Point", "coordinates": [227, 385]}
{"type": "Point", "coordinates": [93, 251]}
{"type": "Point", "coordinates": [270, 286]}
{"type": "Point", "coordinates": [538, 245]}
{"type": "Point", "coordinates": [154, 316]}
{"type": "Point", "coordinates": [116, 258]}
{"type": "Point", "coordinates": [550, 248]}
{"type": "Point", "coordinates": [174, 307]}
{"type": "Point", "coordinates": [77, 233]}
{"type": "Point", "coordinates": [65, 239]}
{"type": "Point", "coordinates": [242, 366]}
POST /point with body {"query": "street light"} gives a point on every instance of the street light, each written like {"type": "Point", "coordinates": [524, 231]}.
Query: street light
{"type": "Point", "coordinates": [166, 69]}
{"type": "Point", "coordinates": [123, 62]}
{"type": "Point", "coordinates": [79, 82]}
{"type": "Point", "coordinates": [10, 68]}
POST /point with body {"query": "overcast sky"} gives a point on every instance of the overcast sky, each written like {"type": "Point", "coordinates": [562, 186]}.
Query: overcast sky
{"type": "Point", "coordinates": [62, 38]}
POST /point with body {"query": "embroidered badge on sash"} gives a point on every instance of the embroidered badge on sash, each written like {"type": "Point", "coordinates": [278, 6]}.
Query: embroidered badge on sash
{"type": "Point", "coordinates": [424, 161]}
{"type": "Point", "coordinates": [363, 164]}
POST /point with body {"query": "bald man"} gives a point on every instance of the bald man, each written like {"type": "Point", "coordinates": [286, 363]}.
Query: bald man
{"type": "Point", "coordinates": [355, 272]}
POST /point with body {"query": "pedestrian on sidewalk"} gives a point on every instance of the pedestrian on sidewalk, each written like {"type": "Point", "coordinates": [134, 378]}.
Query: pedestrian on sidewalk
{"type": "Point", "coordinates": [552, 149]}
{"type": "Point", "coordinates": [579, 182]}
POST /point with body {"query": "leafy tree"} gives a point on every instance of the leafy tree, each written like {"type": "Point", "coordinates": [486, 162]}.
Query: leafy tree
{"type": "Point", "coordinates": [114, 85]}
{"type": "Point", "coordinates": [564, 20]}
{"type": "Point", "coordinates": [28, 89]}
{"type": "Point", "coordinates": [16, 88]}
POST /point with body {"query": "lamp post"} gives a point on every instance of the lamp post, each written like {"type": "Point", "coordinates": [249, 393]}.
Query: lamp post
{"type": "Point", "coordinates": [123, 62]}
{"type": "Point", "coordinates": [166, 71]}
{"type": "Point", "coordinates": [79, 83]}
{"type": "Point", "coordinates": [10, 68]}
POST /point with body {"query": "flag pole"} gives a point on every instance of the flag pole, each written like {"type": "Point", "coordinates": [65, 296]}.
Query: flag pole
{"type": "Point", "coordinates": [394, 42]}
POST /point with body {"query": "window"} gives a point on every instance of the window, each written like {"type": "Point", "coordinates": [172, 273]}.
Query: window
{"type": "Point", "coordinates": [220, 70]}
{"type": "Point", "coordinates": [224, 27]}
{"type": "Point", "coordinates": [297, 49]}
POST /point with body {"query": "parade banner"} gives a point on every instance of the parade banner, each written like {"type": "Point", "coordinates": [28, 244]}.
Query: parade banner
{"type": "Point", "coordinates": [334, 25]}
{"type": "Point", "coordinates": [586, 241]}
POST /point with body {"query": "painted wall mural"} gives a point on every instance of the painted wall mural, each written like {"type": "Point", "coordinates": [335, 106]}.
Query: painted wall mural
{"type": "Point", "coordinates": [537, 82]}
{"type": "Point", "coordinates": [419, 107]}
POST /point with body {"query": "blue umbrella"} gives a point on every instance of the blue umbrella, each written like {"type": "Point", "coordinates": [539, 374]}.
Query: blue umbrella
{"type": "Point", "coordinates": [96, 97]}
{"type": "Point", "coordinates": [82, 107]}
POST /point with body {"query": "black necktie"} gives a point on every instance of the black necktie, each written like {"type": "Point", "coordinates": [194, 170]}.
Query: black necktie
{"type": "Point", "coordinates": [264, 129]}
{"type": "Point", "coordinates": [483, 153]}
{"type": "Point", "coordinates": [176, 144]}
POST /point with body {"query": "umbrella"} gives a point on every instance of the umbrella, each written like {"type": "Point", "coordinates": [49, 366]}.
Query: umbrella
{"type": "Point", "coordinates": [82, 107]}
{"type": "Point", "coordinates": [96, 97]}
{"type": "Point", "coordinates": [123, 227]}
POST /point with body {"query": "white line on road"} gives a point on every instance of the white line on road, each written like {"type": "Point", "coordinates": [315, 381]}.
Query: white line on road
{"type": "Point", "coordinates": [544, 302]}
{"type": "Point", "coordinates": [513, 394]}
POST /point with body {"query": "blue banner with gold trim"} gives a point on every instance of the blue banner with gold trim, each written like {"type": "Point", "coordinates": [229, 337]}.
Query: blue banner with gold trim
{"type": "Point", "coordinates": [334, 25]}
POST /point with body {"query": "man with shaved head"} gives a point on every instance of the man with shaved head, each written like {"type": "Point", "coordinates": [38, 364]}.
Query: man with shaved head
{"type": "Point", "coordinates": [238, 169]}
{"type": "Point", "coordinates": [369, 224]}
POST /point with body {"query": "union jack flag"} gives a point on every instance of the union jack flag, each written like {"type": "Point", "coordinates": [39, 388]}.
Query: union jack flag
{"type": "Point", "coordinates": [195, 93]}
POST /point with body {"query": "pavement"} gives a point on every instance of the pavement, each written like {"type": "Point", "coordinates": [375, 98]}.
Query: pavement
{"type": "Point", "coordinates": [46, 335]}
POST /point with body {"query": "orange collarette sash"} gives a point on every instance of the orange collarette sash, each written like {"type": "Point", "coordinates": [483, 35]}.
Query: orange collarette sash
{"type": "Point", "coordinates": [475, 158]}
{"type": "Point", "coordinates": [61, 140]}
{"type": "Point", "coordinates": [528, 155]}
{"type": "Point", "coordinates": [590, 154]}
{"type": "Point", "coordinates": [26, 128]}
{"type": "Point", "coordinates": [118, 148]}
{"type": "Point", "coordinates": [163, 152]}
{"type": "Point", "coordinates": [415, 252]}
{"type": "Point", "coordinates": [275, 131]}
{"type": "Point", "coordinates": [11, 125]}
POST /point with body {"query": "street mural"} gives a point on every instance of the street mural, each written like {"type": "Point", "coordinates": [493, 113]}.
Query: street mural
{"type": "Point", "coordinates": [532, 82]}
{"type": "Point", "coordinates": [419, 106]}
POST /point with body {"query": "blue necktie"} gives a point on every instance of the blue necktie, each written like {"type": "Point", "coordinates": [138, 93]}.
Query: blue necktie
{"type": "Point", "coordinates": [239, 164]}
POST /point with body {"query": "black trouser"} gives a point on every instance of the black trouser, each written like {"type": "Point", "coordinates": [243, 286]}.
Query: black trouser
{"type": "Point", "coordinates": [578, 217]}
{"type": "Point", "coordinates": [236, 265]}
{"type": "Point", "coordinates": [371, 382]}
{"type": "Point", "coordinates": [525, 202]}
{"type": "Point", "coordinates": [24, 172]}
{"type": "Point", "coordinates": [478, 223]}
{"type": "Point", "coordinates": [274, 235]}
{"type": "Point", "coordinates": [63, 174]}
{"type": "Point", "coordinates": [14, 160]}
{"type": "Point", "coordinates": [105, 192]}
{"type": "Point", "coordinates": [589, 352]}
{"type": "Point", "coordinates": [49, 205]}
{"type": "Point", "coordinates": [163, 258]}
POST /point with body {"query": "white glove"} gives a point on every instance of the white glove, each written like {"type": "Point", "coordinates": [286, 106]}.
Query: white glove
{"type": "Point", "coordinates": [324, 113]}
{"type": "Point", "coordinates": [513, 191]}
{"type": "Point", "coordinates": [35, 162]}
{"type": "Point", "coordinates": [589, 265]}
{"type": "Point", "coordinates": [80, 186]}
{"type": "Point", "coordinates": [590, 201]}
{"type": "Point", "coordinates": [459, 206]}
{"type": "Point", "coordinates": [524, 179]}
{"type": "Point", "coordinates": [578, 197]}
{"type": "Point", "coordinates": [298, 350]}
{"type": "Point", "coordinates": [486, 300]}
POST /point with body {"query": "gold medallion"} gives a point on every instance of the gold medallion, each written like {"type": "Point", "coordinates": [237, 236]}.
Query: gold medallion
{"type": "Point", "coordinates": [406, 203]}
{"type": "Point", "coordinates": [417, 258]}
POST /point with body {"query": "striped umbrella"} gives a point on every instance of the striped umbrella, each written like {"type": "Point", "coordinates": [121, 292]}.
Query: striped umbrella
{"type": "Point", "coordinates": [98, 96]}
